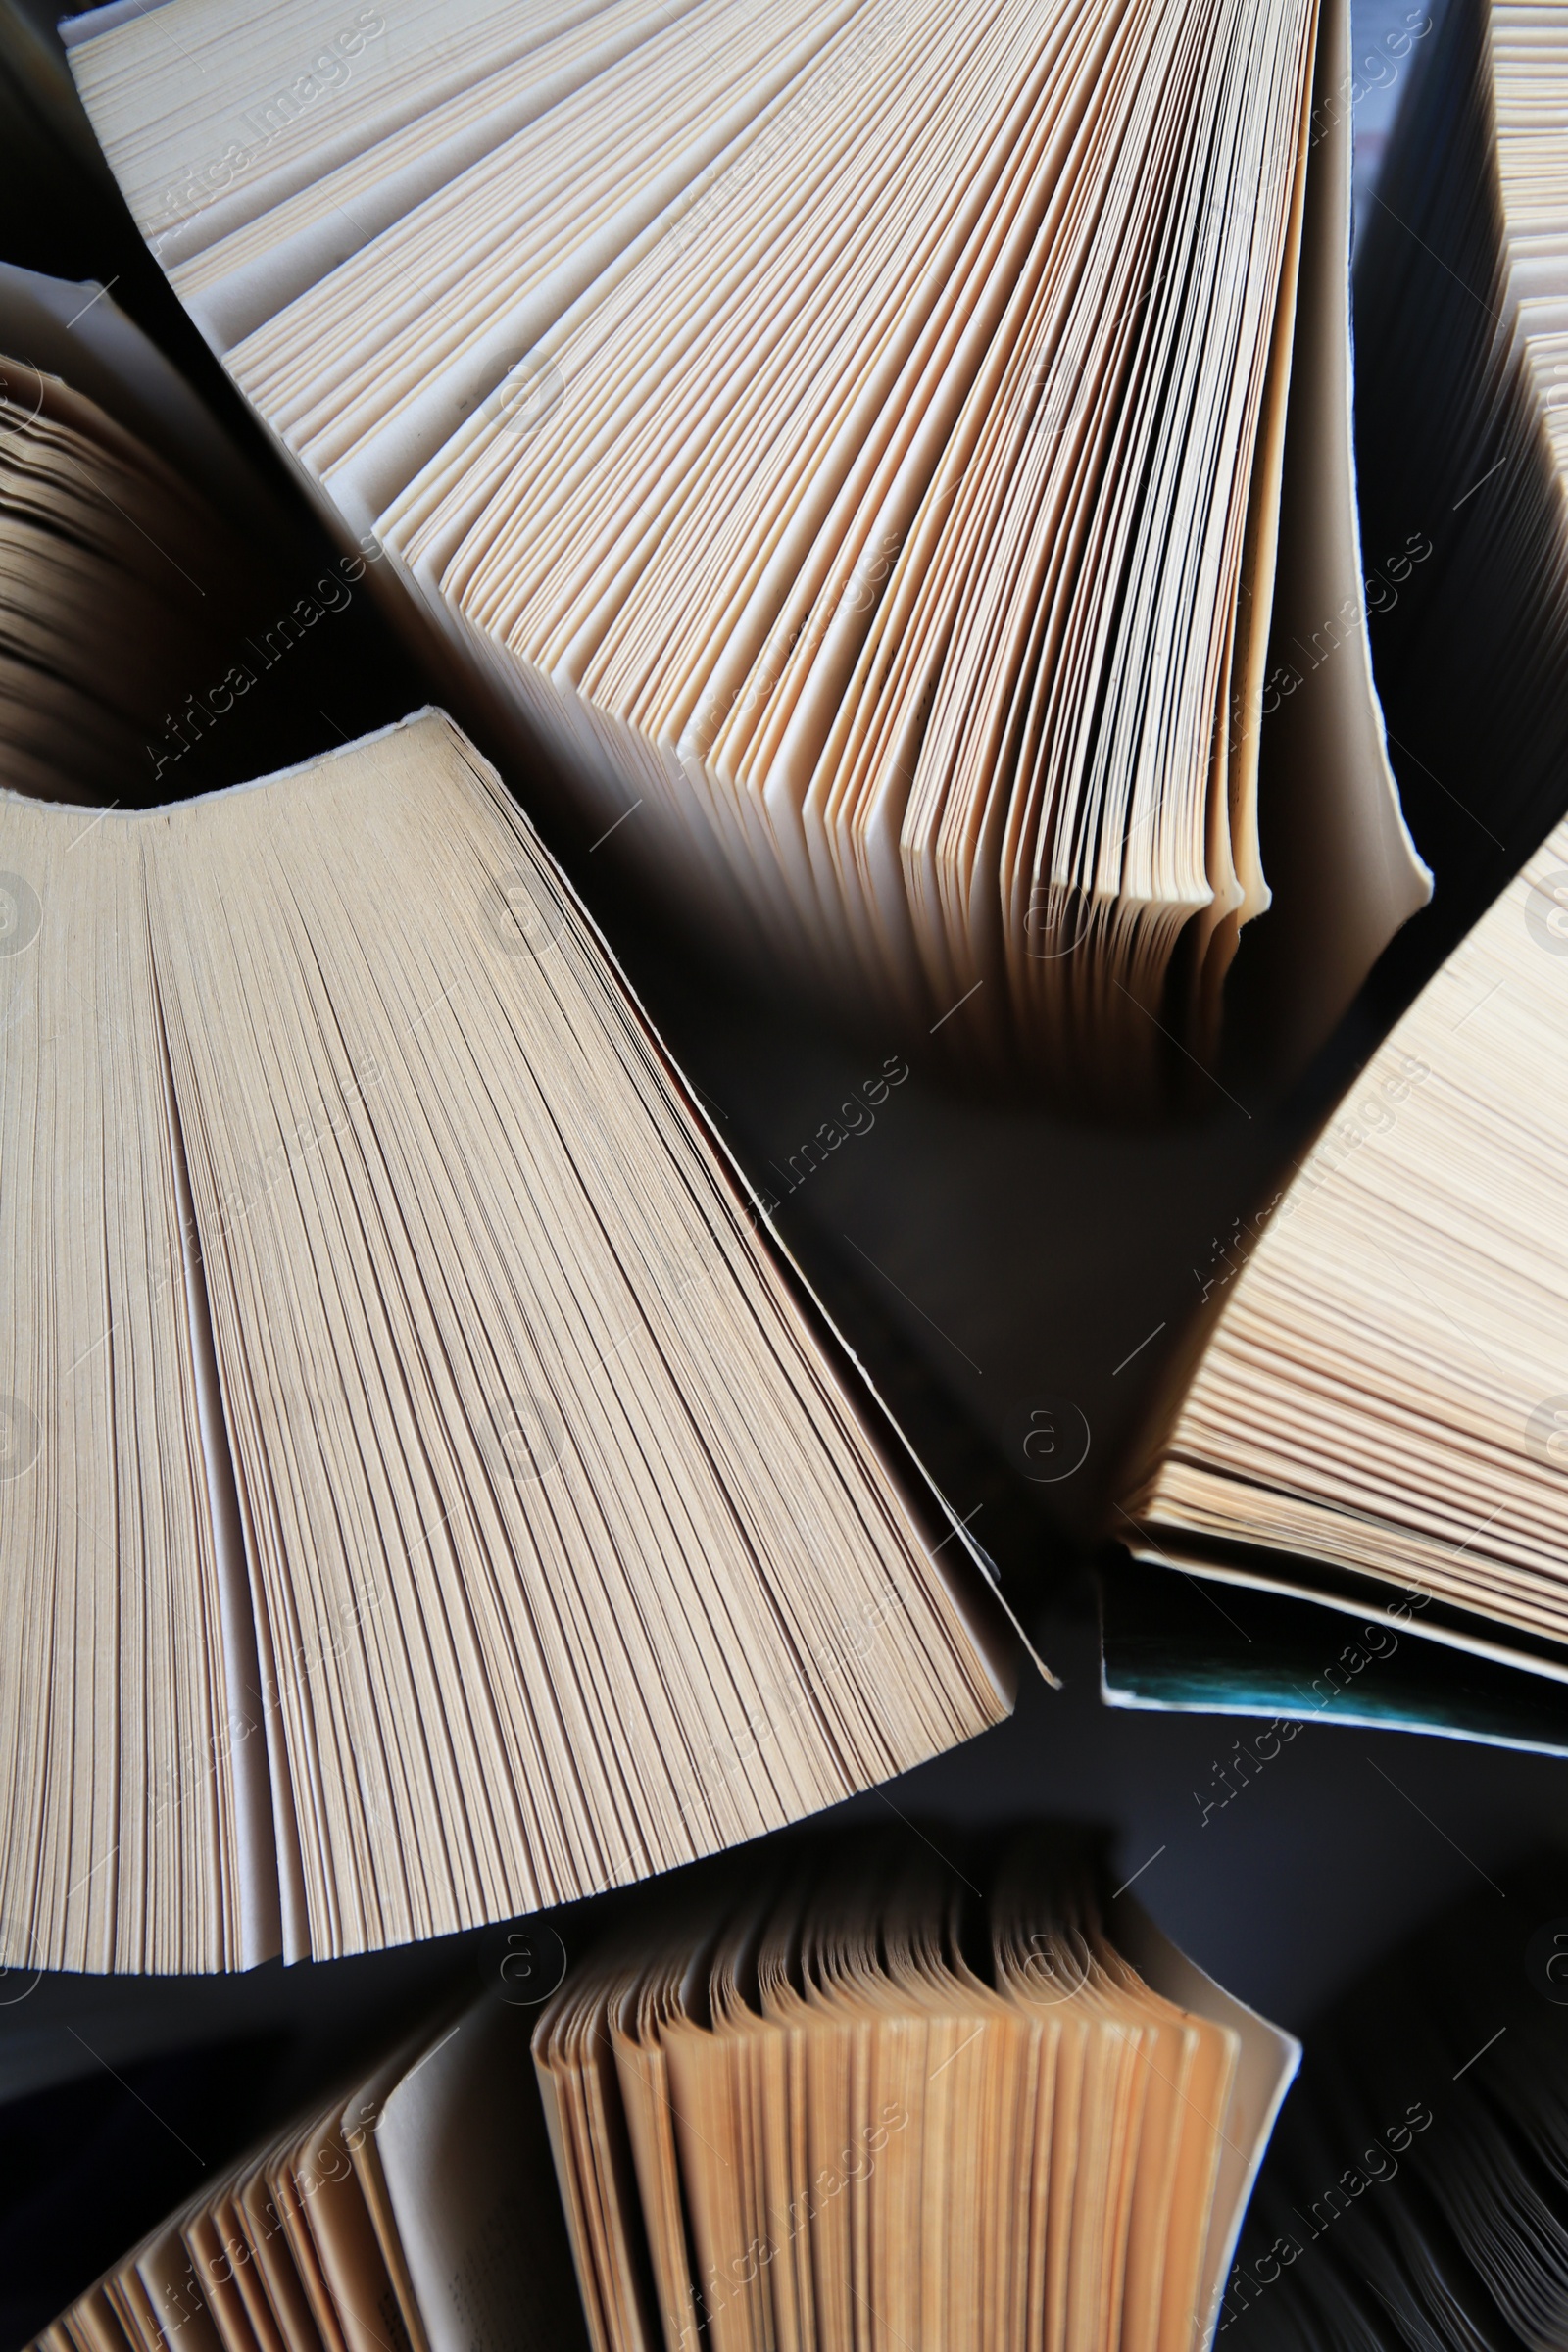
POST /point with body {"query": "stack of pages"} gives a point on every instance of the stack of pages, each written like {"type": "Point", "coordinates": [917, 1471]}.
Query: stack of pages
{"type": "Point", "coordinates": [438, 1498]}
{"type": "Point", "coordinates": [1462, 361]}
{"type": "Point", "coordinates": [842, 2098]}
{"type": "Point", "coordinates": [852, 438]}
{"type": "Point", "coordinates": [412, 2208]}
{"type": "Point", "coordinates": [1380, 1420]}
{"type": "Point", "coordinates": [1413, 2200]}
{"type": "Point", "coordinates": [106, 559]}
{"type": "Point", "coordinates": [1381, 1417]}
{"type": "Point", "coordinates": [161, 605]}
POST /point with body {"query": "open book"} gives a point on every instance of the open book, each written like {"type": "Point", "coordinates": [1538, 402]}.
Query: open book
{"type": "Point", "coordinates": [168, 623]}
{"type": "Point", "coordinates": [1462, 360]}
{"type": "Point", "coordinates": [838, 2096]}
{"type": "Point", "coordinates": [438, 1496]}
{"type": "Point", "coordinates": [411, 2210]}
{"type": "Point", "coordinates": [855, 438]}
{"type": "Point", "coordinates": [1379, 1418]}
{"type": "Point", "coordinates": [1412, 2197]}
{"type": "Point", "coordinates": [116, 573]}
{"type": "Point", "coordinates": [861, 2099]}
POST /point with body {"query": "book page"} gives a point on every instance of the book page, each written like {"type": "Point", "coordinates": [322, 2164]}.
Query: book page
{"type": "Point", "coordinates": [1269, 2058]}
{"type": "Point", "coordinates": [244, 1730]}
{"type": "Point", "coordinates": [1345, 872]}
{"type": "Point", "coordinates": [471, 2185]}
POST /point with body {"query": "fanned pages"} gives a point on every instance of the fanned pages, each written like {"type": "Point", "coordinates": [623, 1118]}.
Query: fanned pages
{"type": "Point", "coordinates": [414, 2211]}
{"type": "Point", "coordinates": [116, 585]}
{"type": "Point", "coordinates": [80, 333]}
{"type": "Point", "coordinates": [850, 434]}
{"type": "Point", "coordinates": [459, 1433]}
{"type": "Point", "coordinates": [1462, 350]}
{"type": "Point", "coordinates": [135, 1830]}
{"type": "Point", "coordinates": [853, 2099]}
{"type": "Point", "coordinates": [152, 582]}
{"type": "Point", "coordinates": [825, 2095]}
{"type": "Point", "coordinates": [1384, 1393]}
{"type": "Point", "coordinates": [1443, 2070]}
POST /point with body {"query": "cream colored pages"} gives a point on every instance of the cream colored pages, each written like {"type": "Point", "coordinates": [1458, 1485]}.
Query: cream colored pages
{"type": "Point", "coordinates": [261, 1828]}
{"type": "Point", "coordinates": [1343, 870]}
{"type": "Point", "coordinates": [509, 245]}
{"type": "Point", "coordinates": [128, 1830]}
{"type": "Point", "coordinates": [237, 283]}
{"type": "Point", "coordinates": [548, 1483]}
{"type": "Point", "coordinates": [1238, 746]}
{"type": "Point", "coordinates": [474, 1516]}
{"type": "Point", "coordinates": [595, 2148]}
{"type": "Point", "coordinates": [352, 2268]}
{"type": "Point", "coordinates": [466, 2157]}
{"type": "Point", "coordinates": [273, 2265]}
{"type": "Point", "coordinates": [1385, 1390]}
{"type": "Point", "coordinates": [221, 2290]}
{"type": "Point", "coordinates": [829, 426]}
{"type": "Point", "coordinates": [170, 2300]}
{"type": "Point", "coordinates": [282, 94]}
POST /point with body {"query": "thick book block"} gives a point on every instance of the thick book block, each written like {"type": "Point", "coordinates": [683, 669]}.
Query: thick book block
{"type": "Point", "coordinates": [859, 441]}
{"type": "Point", "coordinates": [428, 1495]}
{"type": "Point", "coordinates": [827, 2094]}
